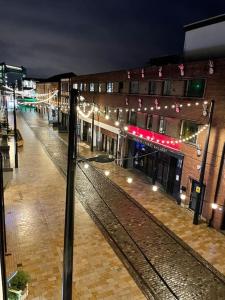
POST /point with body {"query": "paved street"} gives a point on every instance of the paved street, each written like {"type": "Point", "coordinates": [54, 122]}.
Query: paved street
{"type": "Point", "coordinates": [35, 202]}
{"type": "Point", "coordinates": [161, 264]}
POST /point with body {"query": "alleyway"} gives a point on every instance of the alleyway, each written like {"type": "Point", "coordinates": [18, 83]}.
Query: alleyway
{"type": "Point", "coordinates": [144, 241]}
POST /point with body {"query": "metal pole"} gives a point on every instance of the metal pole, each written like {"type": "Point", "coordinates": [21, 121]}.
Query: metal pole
{"type": "Point", "coordinates": [199, 188]}
{"type": "Point", "coordinates": [218, 183]}
{"type": "Point", "coordinates": [92, 130]}
{"type": "Point", "coordinates": [2, 234]}
{"type": "Point", "coordinates": [15, 130]}
{"type": "Point", "coordinates": [70, 200]}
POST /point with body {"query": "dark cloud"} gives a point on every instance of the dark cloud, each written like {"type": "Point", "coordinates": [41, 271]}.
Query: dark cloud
{"type": "Point", "coordinates": [83, 36]}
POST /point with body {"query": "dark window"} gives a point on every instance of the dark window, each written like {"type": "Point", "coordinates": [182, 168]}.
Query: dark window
{"type": "Point", "coordinates": [134, 87]}
{"type": "Point", "coordinates": [133, 118]}
{"type": "Point", "coordinates": [162, 125]}
{"type": "Point", "coordinates": [149, 122]}
{"type": "Point", "coordinates": [188, 129]}
{"type": "Point", "coordinates": [195, 88]}
{"type": "Point", "coordinates": [152, 88]}
{"type": "Point", "coordinates": [167, 87]}
{"type": "Point", "coordinates": [120, 86]}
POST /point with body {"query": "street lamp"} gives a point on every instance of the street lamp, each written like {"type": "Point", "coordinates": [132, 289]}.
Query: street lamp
{"type": "Point", "coordinates": [199, 188]}
{"type": "Point", "coordinates": [70, 200]}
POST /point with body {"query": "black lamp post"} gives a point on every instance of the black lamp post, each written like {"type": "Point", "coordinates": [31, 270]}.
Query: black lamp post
{"type": "Point", "coordinates": [199, 188]}
{"type": "Point", "coordinates": [15, 129]}
{"type": "Point", "coordinates": [70, 200]}
{"type": "Point", "coordinates": [92, 129]}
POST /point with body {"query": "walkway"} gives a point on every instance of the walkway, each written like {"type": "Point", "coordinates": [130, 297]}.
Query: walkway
{"type": "Point", "coordinates": [35, 220]}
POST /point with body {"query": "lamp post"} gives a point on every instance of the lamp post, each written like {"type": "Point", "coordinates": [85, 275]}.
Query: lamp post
{"type": "Point", "coordinates": [199, 188]}
{"type": "Point", "coordinates": [2, 235]}
{"type": "Point", "coordinates": [15, 129]}
{"type": "Point", "coordinates": [70, 200]}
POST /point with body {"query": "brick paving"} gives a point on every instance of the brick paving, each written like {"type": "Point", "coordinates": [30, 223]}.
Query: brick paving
{"type": "Point", "coordinates": [198, 282]}
{"type": "Point", "coordinates": [35, 219]}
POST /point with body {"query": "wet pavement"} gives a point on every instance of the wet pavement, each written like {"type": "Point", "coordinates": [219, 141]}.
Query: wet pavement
{"type": "Point", "coordinates": [162, 265]}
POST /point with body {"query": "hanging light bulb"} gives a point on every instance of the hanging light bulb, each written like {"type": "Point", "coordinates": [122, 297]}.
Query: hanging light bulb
{"type": "Point", "coordinates": [154, 188]}
{"type": "Point", "coordinates": [129, 180]}
{"type": "Point", "coordinates": [107, 173]}
{"type": "Point", "coordinates": [86, 166]}
{"type": "Point", "coordinates": [117, 123]}
{"type": "Point", "coordinates": [182, 196]}
{"type": "Point", "coordinates": [125, 128]}
{"type": "Point", "coordinates": [107, 117]}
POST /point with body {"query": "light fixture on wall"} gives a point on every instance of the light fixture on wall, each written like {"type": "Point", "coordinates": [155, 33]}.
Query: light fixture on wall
{"type": "Point", "coordinates": [199, 151]}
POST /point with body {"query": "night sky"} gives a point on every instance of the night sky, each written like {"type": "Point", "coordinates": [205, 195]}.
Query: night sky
{"type": "Point", "coordinates": [87, 36]}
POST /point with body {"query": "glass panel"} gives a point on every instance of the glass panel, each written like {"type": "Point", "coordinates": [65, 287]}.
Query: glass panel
{"type": "Point", "coordinates": [188, 129]}
{"type": "Point", "coordinates": [134, 87]}
{"type": "Point", "coordinates": [167, 87]}
{"type": "Point", "coordinates": [196, 88]}
{"type": "Point", "coordinates": [152, 88]}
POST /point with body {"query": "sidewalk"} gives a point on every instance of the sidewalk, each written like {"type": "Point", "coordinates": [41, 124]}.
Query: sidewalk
{"type": "Point", "coordinates": [208, 242]}
{"type": "Point", "coordinates": [34, 203]}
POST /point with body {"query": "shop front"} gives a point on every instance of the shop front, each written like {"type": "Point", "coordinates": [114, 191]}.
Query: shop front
{"type": "Point", "coordinates": [108, 142]}
{"type": "Point", "coordinates": [163, 165]}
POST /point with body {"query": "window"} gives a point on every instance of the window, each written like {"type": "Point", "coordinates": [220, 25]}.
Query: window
{"type": "Point", "coordinates": [134, 87]}
{"type": "Point", "coordinates": [167, 87]}
{"type": "Point", "coordinates": [92, 87]}
{"type": "Point", "coordinates": [81, 86]}
{"type": "Point", "coordinates": [109, 87]}
{"type": "Point", "coordinates": [195, 88]}
{"type": "Point", "coordinates": [189, 128]}
{"type": "Point", "coordinates": [101, 87]}
{"type": "Point", "coordinates": [149, 122]}
{"type": "Point", "coordinates": [162, 124]}
{"type": "Point", "coordinates": [85, 87]}
{"type": "Point", "coordinates": [120, 86]}
{"type": "Point", "coordinates": [133, 118]}
{"type": "Point", "coordinates": [65, 87]}
{"type": "Point", "coordinates": [152, 88]}
{"type": "Point", "coordinates": [75, 86]}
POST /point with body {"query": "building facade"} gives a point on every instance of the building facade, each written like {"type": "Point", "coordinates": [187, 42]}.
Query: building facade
{"type": "Point", "coordinates": [155, 119]}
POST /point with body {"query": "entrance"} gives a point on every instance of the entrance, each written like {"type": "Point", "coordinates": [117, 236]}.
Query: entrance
{"type": "Point", "coordinates": [167, 166]}
{"type": "Point", "coordinates": [193, 196]}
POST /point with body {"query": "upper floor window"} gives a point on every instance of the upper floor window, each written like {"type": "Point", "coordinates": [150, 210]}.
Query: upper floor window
{"type": "Point", "coordinates": [132, 118]}
{"type": "Point", "coordinates": [120, 86]}
{"type": "Point", "coordinates": [92, 87]}
{"type": "Point", "coordinates": [134, 87]}
{"type": "Point", "coordinates": [162, 124]}
{"type": "Point", "coordinates": [167, 87]}
{"type": "Point", "coordinates": [65, 86]}
{"type": "Point", "coordinates": [188, 129]}
{"type": "Point", "coordinates": [81, 86]}
{"type": "Point", "coordinates": [149, 122]}
{"type": "Point", "coordinates": [195, 88]}
{"type": "Point", "coordinates": [75, 86]}
{"type": "Point", "coordinates": [85, 87]}
{"type": "Point", "coordinates": [152, 88]}
{"type": "Point", "coordinates": [109, 87]}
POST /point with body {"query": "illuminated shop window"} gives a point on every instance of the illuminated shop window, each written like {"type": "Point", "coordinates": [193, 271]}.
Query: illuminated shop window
{"type": "Point", "coordinates": [195, 88]}
{"type": "Point", "coordinates": [109, 87]}
{"type": "Point", "coordinates": [92, 87]}
{"type": "Point", "coordinates": [189, 128]}
{"type": "Point", "coordinates": [75, 86]}
{"type": "Point", "coordinates": [162, 124]}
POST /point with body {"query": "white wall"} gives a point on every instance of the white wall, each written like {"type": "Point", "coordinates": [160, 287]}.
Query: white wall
{"type": "Point", "coordinates": [205, 42]}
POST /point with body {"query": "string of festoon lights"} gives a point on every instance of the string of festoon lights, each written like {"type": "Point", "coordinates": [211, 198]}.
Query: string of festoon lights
{"type": "Point", "coordinates": [134, 133]}
{"type": "Point", "coordinates": [40, 100]}
{"type": "Point", "coordinates": [36, 94]}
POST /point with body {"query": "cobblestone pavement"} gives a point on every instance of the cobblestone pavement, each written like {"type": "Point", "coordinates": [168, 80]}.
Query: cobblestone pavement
{"type": "Point", "coordinates": [161, 264]}
{"type": "Point", "coordinates": [35, 202]}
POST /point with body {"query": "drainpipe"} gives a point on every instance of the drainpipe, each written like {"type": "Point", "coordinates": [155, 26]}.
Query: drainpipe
{"type": "Point", "coordinates": [199, 188]}
{"type": "Point", "coordinates": [218, 185]}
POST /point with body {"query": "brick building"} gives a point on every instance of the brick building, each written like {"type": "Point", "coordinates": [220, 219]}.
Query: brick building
{"type": "Point", "coordinates": [155, 118]}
